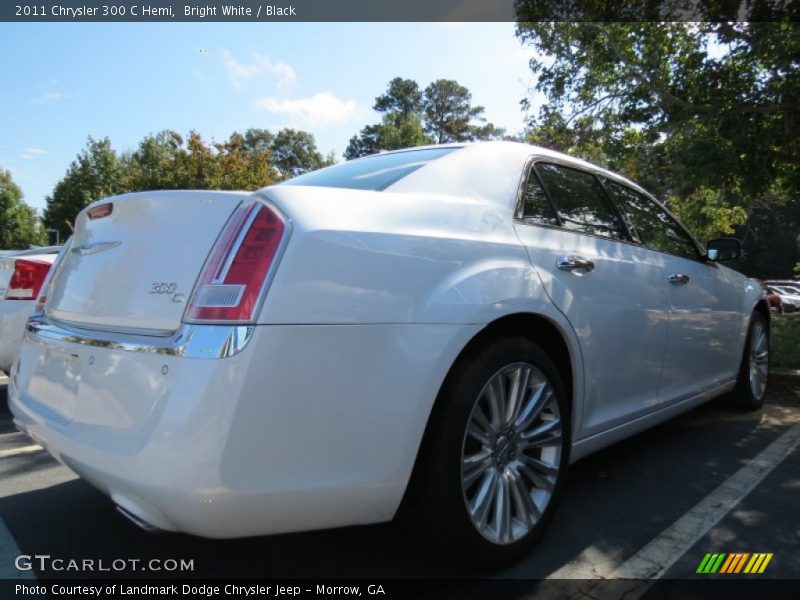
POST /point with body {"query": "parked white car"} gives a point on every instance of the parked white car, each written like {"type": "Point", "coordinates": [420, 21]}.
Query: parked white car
{"type": "Point", "coordinates": [452, 325]}
{"type": "Point", "coordinates": [790, 297]}
{"type": "Point", "coordinates": [22, 274]}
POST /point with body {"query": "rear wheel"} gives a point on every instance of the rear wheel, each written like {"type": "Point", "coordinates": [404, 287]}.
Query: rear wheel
{"type": "Point", "coordinates": [751, 386]}
{"type": "Point", "coordinates": [495, 453]}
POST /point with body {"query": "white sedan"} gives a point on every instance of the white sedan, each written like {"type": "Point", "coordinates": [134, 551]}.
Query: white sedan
{"type": "Point", "coordinates": [21, 277]}
{"type": "Point", "coordinates": [443, 328]}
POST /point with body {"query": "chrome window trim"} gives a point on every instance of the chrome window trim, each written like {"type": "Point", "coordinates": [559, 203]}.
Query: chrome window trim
{"type": "Point", "coordinates": [519, 207]}
{"type": "Point", "coordinates": [602, 174]}
{"type": "Point", "coordinates": [699, 247]}
{"type": "Point", "coordinates": [190, 341]}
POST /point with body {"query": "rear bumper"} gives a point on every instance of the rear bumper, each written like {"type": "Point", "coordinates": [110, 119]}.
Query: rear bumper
{"type": "Point", "coordinates": [13, 316]}
{"type": "Point", "coordinates": [304, 427]}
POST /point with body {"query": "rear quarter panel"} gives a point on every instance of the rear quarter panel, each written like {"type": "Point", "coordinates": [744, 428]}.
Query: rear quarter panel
{"type": "Point", "coordinates": [380, 257]}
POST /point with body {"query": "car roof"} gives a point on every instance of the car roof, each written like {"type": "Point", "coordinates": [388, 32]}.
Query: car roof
{"type": "Point", "coordinates": [490, 170]}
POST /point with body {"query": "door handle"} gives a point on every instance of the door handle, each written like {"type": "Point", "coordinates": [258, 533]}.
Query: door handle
{"type": "Point", "coordinates": [679, 279]}
{"type": "Point", "coordinates": [573, 263]}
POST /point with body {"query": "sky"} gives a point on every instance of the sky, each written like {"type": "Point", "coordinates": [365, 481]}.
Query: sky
{"type": "Point", "coordinates": [63, 82]}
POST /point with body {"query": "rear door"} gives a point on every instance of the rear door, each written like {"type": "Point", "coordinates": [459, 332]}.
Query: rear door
{"type": "Point", "coordinates": [706, 320]}
{"type": "Point", "coordinates": [614, 297]}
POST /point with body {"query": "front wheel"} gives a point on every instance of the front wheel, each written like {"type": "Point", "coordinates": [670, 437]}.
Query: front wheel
{"type": "Point", "coordinates": [495, 453]}
{"type": "Point", "coordinates": [751, 385]}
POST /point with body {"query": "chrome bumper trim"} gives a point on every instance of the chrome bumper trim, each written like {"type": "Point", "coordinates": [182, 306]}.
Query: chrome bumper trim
{"type": "Point", "coordinates": [190, 341]}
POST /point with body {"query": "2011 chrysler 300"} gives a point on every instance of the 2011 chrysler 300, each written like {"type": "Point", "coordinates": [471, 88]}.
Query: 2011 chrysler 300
{"type": "Point", "coordinates": [448, 326]}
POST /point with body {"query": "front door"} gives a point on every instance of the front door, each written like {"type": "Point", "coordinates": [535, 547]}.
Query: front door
{"type": "Point", "coordinates": [705, 326]}
{"type": "Point", "coordinates": [616, 301]}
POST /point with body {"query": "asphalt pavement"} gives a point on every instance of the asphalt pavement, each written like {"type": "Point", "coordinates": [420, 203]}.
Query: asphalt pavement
{"type": "Point", "coordinates": [713, 480]}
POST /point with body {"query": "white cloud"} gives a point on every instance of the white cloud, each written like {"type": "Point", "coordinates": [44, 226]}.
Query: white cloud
{"type": "Point", "coordinates": [323, 108]}
{"type": "Point", "coordinates": [49, 97]}
{"type": "Point", "coordinates": [261, 66]}
{"type": "Point", "coordinates": [33, 153]}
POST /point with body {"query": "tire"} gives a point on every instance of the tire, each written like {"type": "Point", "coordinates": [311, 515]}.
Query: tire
{"type": "Point", "coordinates": [529, 459]}
{"type": "Point", "coordinates": [753, 378]}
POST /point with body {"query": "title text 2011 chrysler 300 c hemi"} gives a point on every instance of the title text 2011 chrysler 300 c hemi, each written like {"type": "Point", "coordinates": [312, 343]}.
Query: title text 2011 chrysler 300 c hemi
{"type": "Point", "coordinates": [444, 328]}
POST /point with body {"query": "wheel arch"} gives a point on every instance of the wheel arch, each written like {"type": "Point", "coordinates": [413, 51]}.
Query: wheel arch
{"type": "Point", "coordinates": [536, 327]}
{"type": "Point", "coordinates": [762, 306]}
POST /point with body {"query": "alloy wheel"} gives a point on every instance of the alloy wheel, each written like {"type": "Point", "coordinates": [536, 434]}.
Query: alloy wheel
{"type": "Point", "coordinates": [511, 453]}
{"type": "Point", "coordinates": [759, 360]}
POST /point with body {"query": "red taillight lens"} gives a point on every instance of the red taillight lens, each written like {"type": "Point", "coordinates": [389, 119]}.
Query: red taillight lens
{"type": "Point", "coordinates": [27, 279]}
{"type": "Point", "coordinates": [229, 287]}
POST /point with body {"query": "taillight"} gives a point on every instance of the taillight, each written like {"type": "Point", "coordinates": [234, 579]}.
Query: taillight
{"type": "Point", "coordinates": [237, 270]}
{"type": "Point", "coordinates": [27, 280]}
{"type": "Point", "coordinates": [47, 286]}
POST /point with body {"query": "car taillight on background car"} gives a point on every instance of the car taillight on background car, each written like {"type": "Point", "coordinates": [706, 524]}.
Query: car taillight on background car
{"type": "Point", "coordinates": [230, 284]}
{"type": "Point", "coordinates": [27, 280]}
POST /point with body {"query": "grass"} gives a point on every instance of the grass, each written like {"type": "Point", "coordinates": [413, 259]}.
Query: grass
{"type": "Point", "coordinates": [785, 341]}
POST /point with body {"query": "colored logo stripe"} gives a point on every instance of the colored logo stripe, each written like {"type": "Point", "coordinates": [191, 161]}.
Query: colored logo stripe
{"type": "Point", "coordinates": [758, 563]}
{"type": "Point", "coordinates": [723, 563]}
{"type": "Point", "coordinates": [711, 563]}
{"type": "Point", "coordinates": [735, 562]}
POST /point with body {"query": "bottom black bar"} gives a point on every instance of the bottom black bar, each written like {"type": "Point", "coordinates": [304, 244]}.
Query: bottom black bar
{"type": "Point", "coordinates": [484, 589]}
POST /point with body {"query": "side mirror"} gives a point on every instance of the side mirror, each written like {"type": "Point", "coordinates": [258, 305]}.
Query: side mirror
{"type": "Point", "coordinates": [723, 249]}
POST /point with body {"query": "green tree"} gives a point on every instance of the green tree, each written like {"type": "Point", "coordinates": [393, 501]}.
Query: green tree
{"type": "Point", "coordinates": [19, 225]}
{"type": "Point", "coordinates": [450, 115]}
{"type": "Point", "coordinates": [403, 97]}
{"type": "Point", "coordinates": [258, 140]}
{"type": "Point", "coordinates": [154, 165]}
{"type": "Point", "coordinates": [295, 152]}
{"type": "Point", "coordinates": [411, 117]}
{"type": "Point", "coordinates": [235, 165]}
{"type": "Point", "coordinates": [95, 173]}
{"type": "Point", "coordinates": [707, 214]}
{"type": "Point", "coordinates": [689, 107]}
{"type": "Point", "coordinates": [401, 124]}
{"type": "Point", "coordinates": [167, 161]}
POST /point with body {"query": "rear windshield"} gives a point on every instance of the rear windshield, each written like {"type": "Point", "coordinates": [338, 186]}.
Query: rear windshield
{"type": "Point", "coordinates": [375, 172]}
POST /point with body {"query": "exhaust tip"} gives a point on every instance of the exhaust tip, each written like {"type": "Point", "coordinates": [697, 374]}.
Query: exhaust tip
{"type": "Point", "coordinates": [140, 523]}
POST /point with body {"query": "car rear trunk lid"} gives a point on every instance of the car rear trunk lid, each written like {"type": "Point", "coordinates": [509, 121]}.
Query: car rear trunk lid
{"type": "Point", "coordinates": [134, 268]}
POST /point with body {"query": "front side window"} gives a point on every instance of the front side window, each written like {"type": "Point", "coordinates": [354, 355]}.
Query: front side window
{"type": "Point", "coordinates": [650, 223]}
{"type": "Point", "coordinates": [580, 200]}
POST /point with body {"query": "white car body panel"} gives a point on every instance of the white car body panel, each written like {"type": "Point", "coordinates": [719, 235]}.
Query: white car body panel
{"type": "Point", "coordinates": [14, 313]}
{"type": "Point", "coordinates": [620, 312]}
{"type": "Point", "coordinates": [114, 263]}
{"type": "Point", "coordinates": [312, 416]}
{"type": "Point", "coordinates": [708, 325]}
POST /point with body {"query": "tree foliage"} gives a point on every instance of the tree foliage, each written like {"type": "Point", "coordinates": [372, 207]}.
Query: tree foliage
{"type": "Point", "coordinates": [443, 112]}
{"type": "Point", "coordinates": [451, 117]}
{"type": "Point", "coordinates": [96, 172]}
{"type": "Point", "coordinates": [167, 160]}
{"type": "Point", "coordinates": [704, 113]}
{"type": "Point", "coordinates": [19, 225]}
{"type": "Point", "coordinates": [295, 152]}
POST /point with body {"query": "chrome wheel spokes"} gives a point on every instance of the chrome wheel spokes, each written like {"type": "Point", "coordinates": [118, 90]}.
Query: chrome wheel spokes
{"type": "Point", "coordinates": [511, 453]}
{"type": "Point", "coordinates": [759, 360]}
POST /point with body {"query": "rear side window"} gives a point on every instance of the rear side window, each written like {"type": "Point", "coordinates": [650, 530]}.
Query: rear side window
{"type": "Point", "coordinates": [650, 223]}
{"type": "Point", "coordinates": [580, 201]}
{"type": "Point", "coordinates": [375, 172]}
{"type": "Point", "coordinates": [536, 207]}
